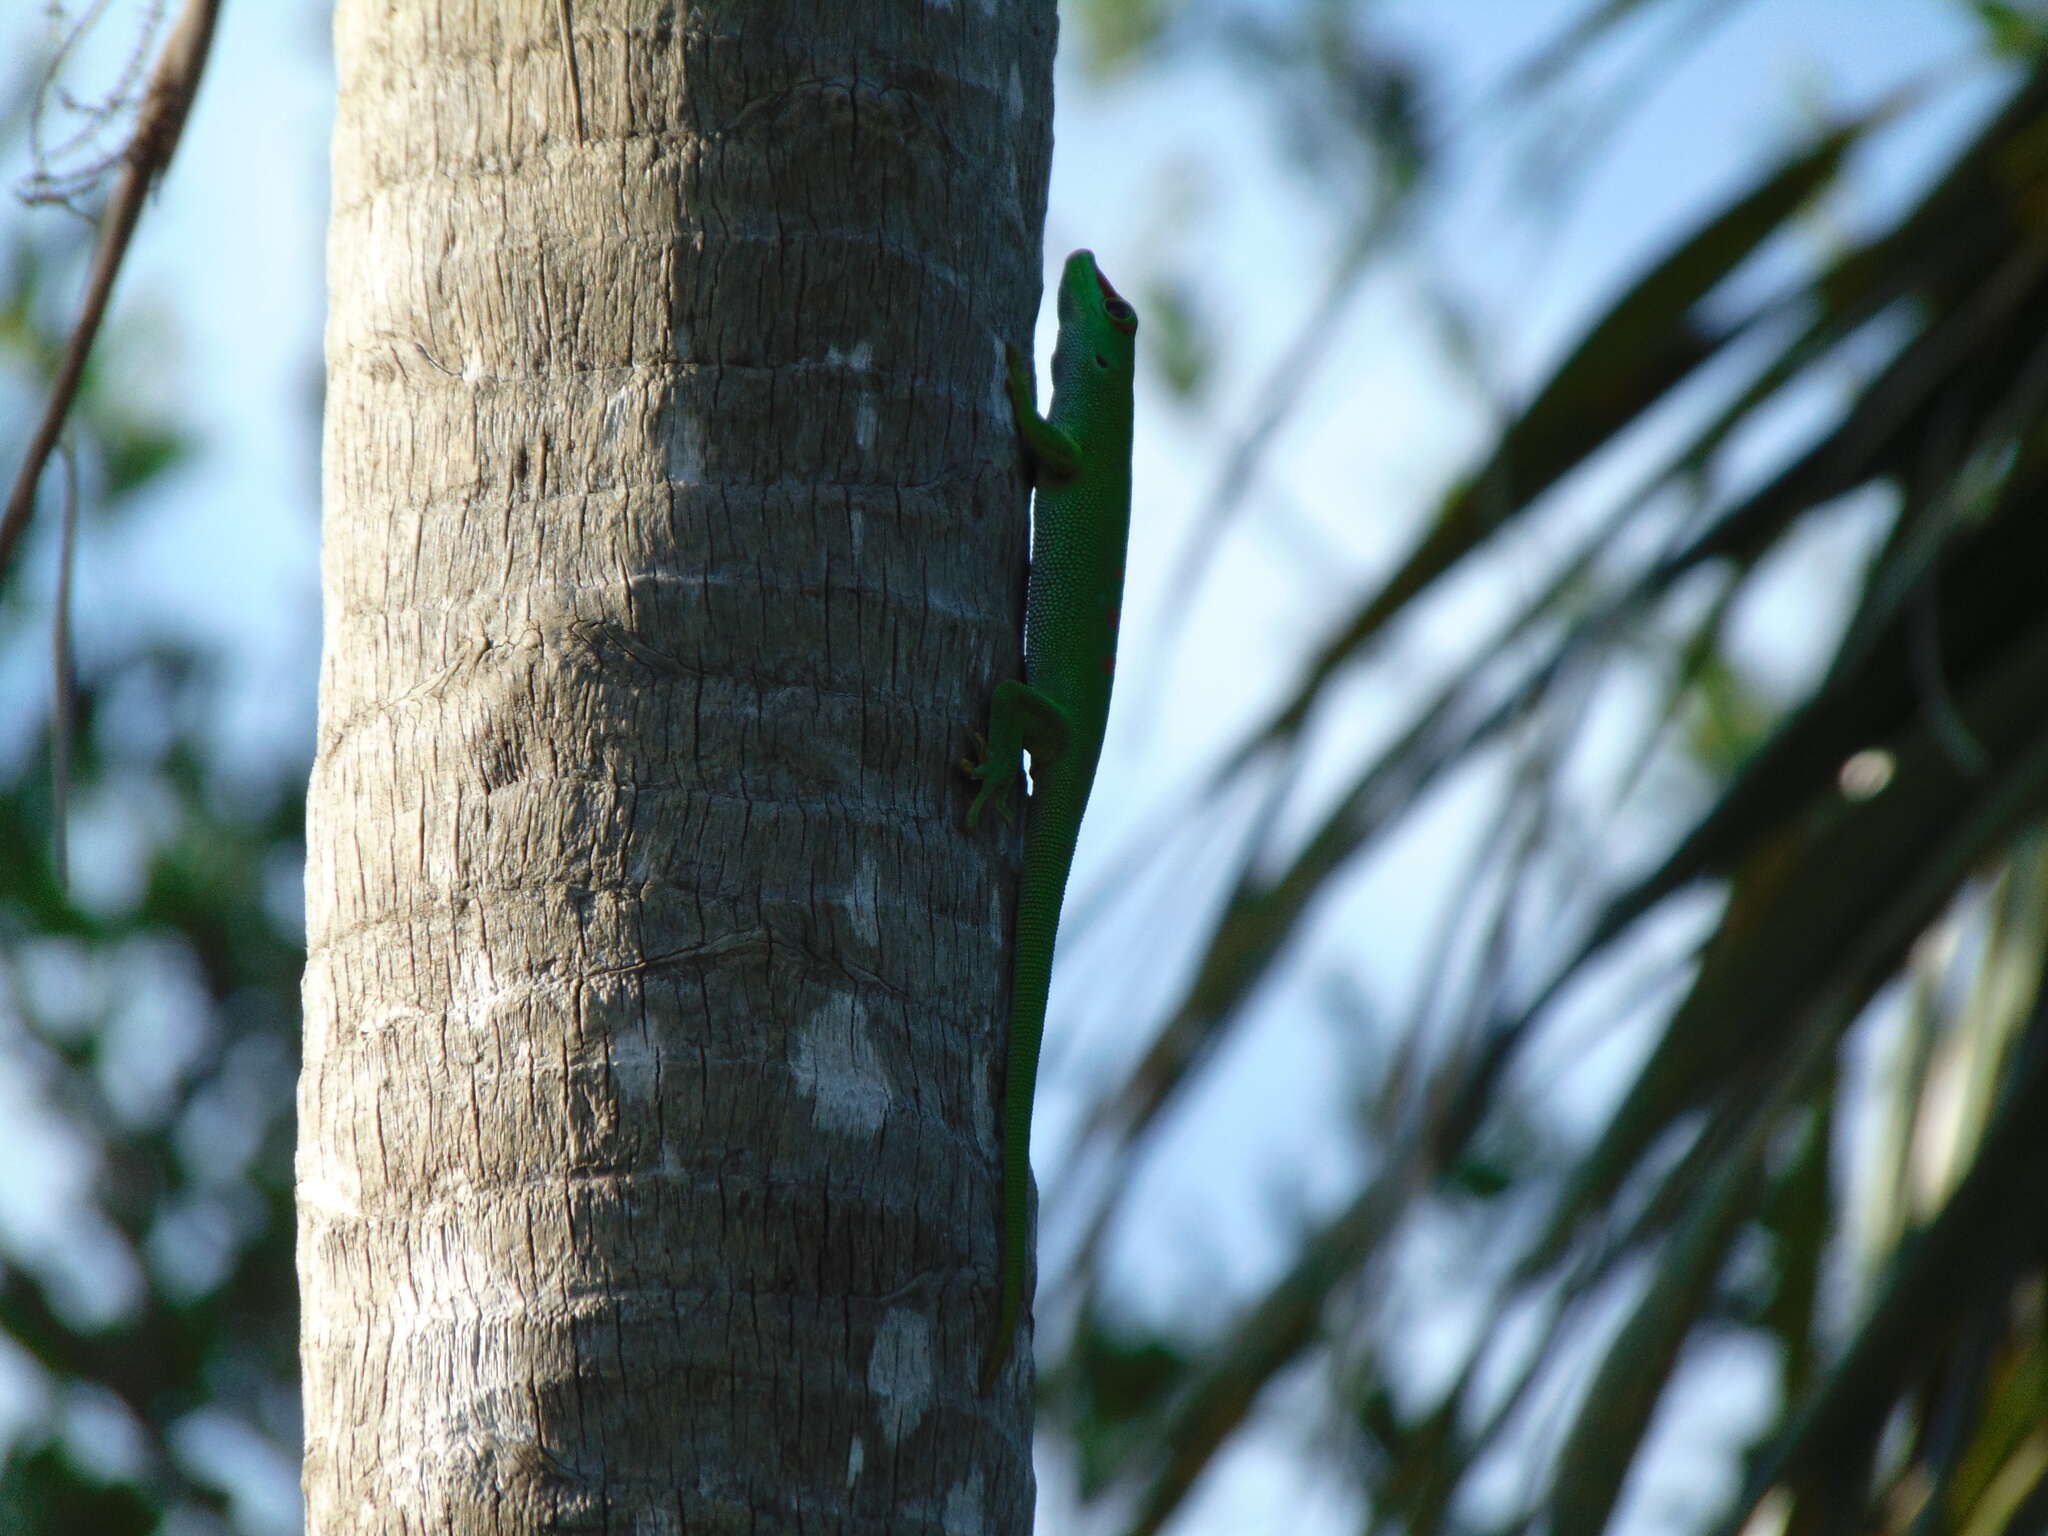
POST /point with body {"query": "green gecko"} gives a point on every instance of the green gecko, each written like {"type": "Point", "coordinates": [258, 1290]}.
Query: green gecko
{"type": "Point", "coordinates": [1080, 459]}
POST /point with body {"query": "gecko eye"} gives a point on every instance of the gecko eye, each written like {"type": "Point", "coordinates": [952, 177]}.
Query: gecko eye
{"type": "Point", "coordinates": [1118, 309]}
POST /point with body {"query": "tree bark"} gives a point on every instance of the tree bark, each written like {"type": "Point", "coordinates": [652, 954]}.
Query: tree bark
{"type": "Point", "coordinates": [674, 525]}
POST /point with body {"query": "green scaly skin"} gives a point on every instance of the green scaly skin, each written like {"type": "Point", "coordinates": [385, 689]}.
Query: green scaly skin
{"type": "Point", "coordinates": [1080, 459]}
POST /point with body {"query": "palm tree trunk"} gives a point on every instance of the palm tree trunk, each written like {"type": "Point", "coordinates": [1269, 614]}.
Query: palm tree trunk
{"type": "Point", "coordinates": [673, 527]}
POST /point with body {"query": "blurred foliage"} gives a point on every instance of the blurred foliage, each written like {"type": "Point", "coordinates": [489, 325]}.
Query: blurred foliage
{"type": "Point", "coordinates": [1177, 340]}
{"type": "Point", "coordinates": [1119, 34]}
{"type": "Point", "coordinates": [1869, 858]}
{"type": "Point", "coordinates": [148, 1016]}
{"type": "Point", "coordinates": [2014, 30]}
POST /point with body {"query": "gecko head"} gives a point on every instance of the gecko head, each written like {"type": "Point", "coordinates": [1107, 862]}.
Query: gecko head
{"type": "Point", "coordinates": [1098, 328]}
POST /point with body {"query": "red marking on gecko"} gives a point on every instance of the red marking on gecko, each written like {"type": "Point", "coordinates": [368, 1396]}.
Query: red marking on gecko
{"type": "Point", "coordinates": [1109, 663]}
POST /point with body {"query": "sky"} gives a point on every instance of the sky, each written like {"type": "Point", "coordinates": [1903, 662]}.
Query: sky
{"type": "Point", "coordinates": [1173, 167]}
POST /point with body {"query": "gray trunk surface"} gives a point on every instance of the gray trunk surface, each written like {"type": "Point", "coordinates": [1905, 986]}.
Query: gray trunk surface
{"type": "Point", "coordinates": [673, 540]}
